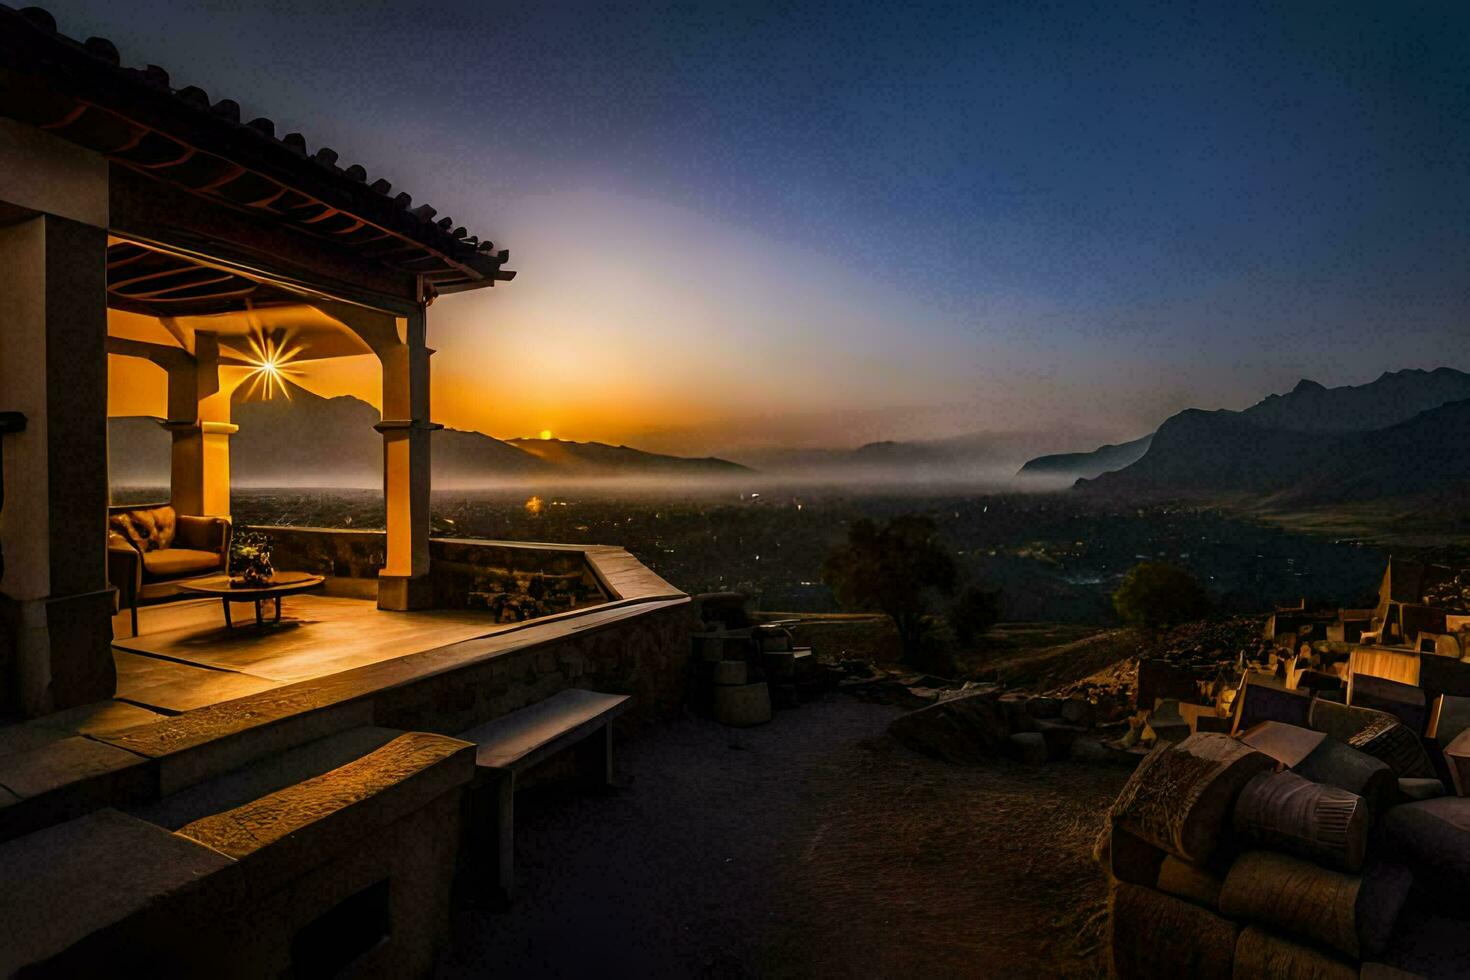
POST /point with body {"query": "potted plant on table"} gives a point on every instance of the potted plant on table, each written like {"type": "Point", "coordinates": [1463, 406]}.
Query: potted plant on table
{"type": "Point", "coordinates": [250, 560]}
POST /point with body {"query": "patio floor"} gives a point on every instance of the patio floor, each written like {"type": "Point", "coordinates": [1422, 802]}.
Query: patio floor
{"type": "Point", "coordinates": [185, 657]}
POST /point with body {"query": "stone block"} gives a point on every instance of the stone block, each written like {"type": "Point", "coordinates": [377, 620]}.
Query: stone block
{"type": "Point", "coordinates": [1190, 882]}
{"type": "Point", "coordinates": [744, 705]}
{"type": "Point", "coordinates": [1420, 789]}
{"type": "Point", "coordinates": [1262, 699]}
{"type": "Point", "coordinates": [783, 695]}
{"type": "Point", "coordinates": [1439, 674]}
{"type": "Point", "coordinates": [305, 824]}
{"type": "Point", "coordinates": [1180, 797]}
{"type": "Point", "coordinates": [1432, 837]}
{"type": "Point", "coordinates": [1261, 953]}
{"type": "Point", "coordinates": [1377, 733]}
{"type": "Point", "coordinates": [67, 777]}
{"type": "Point", "coordinates": [1404, 701]}
{"type": "Point", "coordinates": [1457, 760]}
{"type": "Point", "coordinates": [1161, 679]}
{"type": "Point", "coordinates": [79, 878]}
{"type": "Point", "coordinates": [1155, 935]}
{"type": "Point", "coordinates": [1449, 715]}
{"type": "Point", "coordinates": [1351, 914]}
{"type": "Point", "coordinates": [779, 664]}
{"type": "Point", "coordinates": [730, 672]}
{"type": "Point", "coordinates": [1284, 811]}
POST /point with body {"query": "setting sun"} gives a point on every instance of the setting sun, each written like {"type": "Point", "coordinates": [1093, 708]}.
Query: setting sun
{"type": "Point", "coordinates": [545, 433]}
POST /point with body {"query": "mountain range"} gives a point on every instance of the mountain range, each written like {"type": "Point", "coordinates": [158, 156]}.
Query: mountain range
{"type": "Point", "coordinates": [308, 440]}
{"type": "Point", "coordinates": [1404, 434]}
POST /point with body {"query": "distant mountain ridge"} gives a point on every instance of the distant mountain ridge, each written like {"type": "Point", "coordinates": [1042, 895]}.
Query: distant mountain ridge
{"type": "Point", "coordinates": [308, 440]}
{"type": "Point", "coordinates": [1401, 435]}
{"type": "Point", "coordinates": [989, 457]}
{"type": "Point", "coordinates": [1085, 466]}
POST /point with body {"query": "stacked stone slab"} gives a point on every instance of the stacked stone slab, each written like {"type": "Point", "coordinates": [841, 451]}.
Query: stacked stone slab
{"type": "Point", "coordinates": [740, 675]}
{"type": "Point", "coordinates": [1283, 851]}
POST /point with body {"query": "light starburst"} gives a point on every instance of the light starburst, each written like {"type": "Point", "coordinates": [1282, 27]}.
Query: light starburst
{"type": "Point", "coordinates": [270, 366]}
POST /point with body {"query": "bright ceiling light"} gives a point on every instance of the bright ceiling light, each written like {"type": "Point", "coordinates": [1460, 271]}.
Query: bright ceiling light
{"type": "Point", "coordinates": [270, 367]}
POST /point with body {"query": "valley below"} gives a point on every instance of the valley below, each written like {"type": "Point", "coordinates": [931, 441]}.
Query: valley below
{"type": "Point", "coordinates": [1057, 557]}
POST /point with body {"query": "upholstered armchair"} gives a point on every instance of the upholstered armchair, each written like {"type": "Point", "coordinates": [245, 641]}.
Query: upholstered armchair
{"type": "Point", "coordinates": [151, 550]}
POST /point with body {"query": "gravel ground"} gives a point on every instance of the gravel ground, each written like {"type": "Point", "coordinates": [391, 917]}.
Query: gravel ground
{"type": "Point", "coordinates": [812, 846]}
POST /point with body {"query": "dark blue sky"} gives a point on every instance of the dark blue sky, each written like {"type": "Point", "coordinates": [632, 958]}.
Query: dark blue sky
{"type": "Point", "coordinates": [992, 215]}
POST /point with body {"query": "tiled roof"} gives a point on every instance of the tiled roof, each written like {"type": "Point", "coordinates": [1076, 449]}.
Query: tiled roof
{"type": "Point", "coordinates": [79, 91]}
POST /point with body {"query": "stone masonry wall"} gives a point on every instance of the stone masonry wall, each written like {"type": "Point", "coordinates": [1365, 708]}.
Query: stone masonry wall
{"type": "Point", "coordinates": [645, 656]}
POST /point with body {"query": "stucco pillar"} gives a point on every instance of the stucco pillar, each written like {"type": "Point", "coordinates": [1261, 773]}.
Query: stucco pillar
{"type": "Point", "coordinates": [55, 601]}
{"type": "Point", "coordinates": [199, 420]}
{"type": "Point", "coordinates": [404, 581]}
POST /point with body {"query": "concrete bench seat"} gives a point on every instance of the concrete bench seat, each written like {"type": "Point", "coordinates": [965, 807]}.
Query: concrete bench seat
{"type": "Point", "coordinates": [513, 743]}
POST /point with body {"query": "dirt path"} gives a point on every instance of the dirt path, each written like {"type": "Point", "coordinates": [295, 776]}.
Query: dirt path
{"type": "Point", "coordinates": [812, 846]}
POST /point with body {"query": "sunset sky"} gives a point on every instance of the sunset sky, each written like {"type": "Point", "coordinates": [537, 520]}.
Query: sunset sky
{"type": "Point", "coordinates": [740, 225]}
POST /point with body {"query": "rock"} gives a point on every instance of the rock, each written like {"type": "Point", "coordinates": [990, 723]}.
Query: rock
{"type": "Point", "coordinates": [1058, 736]}
{"type": "Point", "coordinates": [1029, 747]}
{"type": "Point", "coordinates": [1044, 707]}
{"type": "Point", "coordinates": [857, 668]}
{"type": "Point", "coordinates": [1077, 711]}
{"type": "Point", "coordinates": [967, 729]}
{"type": "Point", "coordinates": [1017, 716]}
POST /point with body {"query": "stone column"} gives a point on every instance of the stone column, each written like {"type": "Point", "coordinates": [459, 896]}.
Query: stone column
{"type": "Point", "coordinates": [55, 601]}
{"type": "Point", "coordinates": [404, 581]}
{"type": "Point", "coordinates": [199, 419]}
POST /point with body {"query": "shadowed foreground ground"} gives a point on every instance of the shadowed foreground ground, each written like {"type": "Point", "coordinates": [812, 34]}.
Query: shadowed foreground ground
{"type": "Point", "coordinates": [813, 846]}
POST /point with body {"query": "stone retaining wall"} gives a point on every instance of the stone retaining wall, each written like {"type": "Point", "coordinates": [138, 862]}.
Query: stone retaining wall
{"type": "Point", "coordinates": [516, 581]}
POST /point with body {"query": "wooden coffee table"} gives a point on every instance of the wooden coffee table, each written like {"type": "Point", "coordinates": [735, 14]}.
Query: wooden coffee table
{"type": "Point", "coordinates": [280, 586]}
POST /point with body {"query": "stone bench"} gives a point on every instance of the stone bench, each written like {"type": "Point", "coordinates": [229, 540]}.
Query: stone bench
{"type": "Point", "coordinates": [513, 743]}
{"type": "Point", "coordinates": [276, 869]}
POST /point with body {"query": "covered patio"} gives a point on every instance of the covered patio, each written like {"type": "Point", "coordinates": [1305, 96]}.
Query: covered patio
{"type": "Point", "coordinates": [149, 229]}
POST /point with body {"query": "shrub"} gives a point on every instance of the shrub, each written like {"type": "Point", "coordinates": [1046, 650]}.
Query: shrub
{"type": "Point", "coordinates": [1155, 594]}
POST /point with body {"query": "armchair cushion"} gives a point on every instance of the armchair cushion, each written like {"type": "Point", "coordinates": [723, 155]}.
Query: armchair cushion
{"type": "Point", "coordinates": [147, 528]}
{"type": "Point", "coordinates": [203, 534]}
{"type": "Point", "coordinates": [175, 562]}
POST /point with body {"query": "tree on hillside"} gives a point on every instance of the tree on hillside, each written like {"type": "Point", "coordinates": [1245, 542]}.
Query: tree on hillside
{"type": "Point", "coordinates": [1155, 594]}
{"type": "Point", "coordinates": [974, 611]}
{"type": "Point", "coordinates": [893, 568]}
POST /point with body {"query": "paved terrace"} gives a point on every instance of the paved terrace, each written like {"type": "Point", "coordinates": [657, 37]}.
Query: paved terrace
{"type": "Point", "coordinates": [194, 699]}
